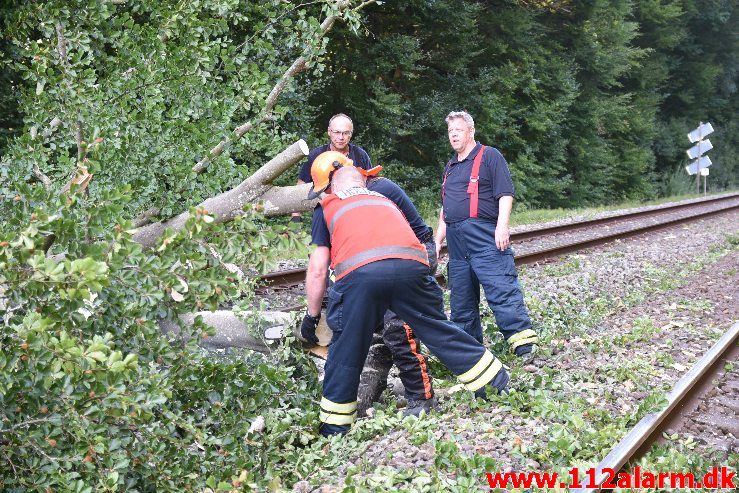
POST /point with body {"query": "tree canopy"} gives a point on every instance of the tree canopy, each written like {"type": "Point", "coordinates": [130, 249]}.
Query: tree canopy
{"type": "Point", "coordinates": [589, 101]}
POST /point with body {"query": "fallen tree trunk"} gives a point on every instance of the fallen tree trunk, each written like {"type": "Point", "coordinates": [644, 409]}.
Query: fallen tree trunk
{"type": "Point", "coordinates": [231, 331]}
{"type": "Point", "coordinates": [226, 206]}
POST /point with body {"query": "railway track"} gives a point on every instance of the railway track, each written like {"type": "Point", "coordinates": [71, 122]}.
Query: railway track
{"type": "Point", "coordinates": [566, 238]}
{"type": "Point", "coordinates": [684, 399]}
{"type": "Point", "coordinates": [651, 428]}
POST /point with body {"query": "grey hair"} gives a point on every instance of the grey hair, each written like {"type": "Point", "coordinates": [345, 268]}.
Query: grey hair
{"type": "Point", "coordinates": [463, 115]}
{"type": "Point", "coordinates": [340, 115]}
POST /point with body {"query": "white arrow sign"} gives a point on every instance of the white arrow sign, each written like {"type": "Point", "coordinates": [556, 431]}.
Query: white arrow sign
{"type": "Point", "coordinates": [699, 148]}
{"type": "Point", "coordinates": [701, 163]}
{"type": "Point", "coordinates": [700, 132]}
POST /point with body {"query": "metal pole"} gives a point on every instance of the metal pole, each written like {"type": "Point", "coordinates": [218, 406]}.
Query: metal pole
{"type": "Point", "coordinates": [705, 181]}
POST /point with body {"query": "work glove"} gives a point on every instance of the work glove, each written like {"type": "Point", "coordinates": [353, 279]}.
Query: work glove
{"type": "Point", "coordinates": [433, 257]}
{"type": "Point", "coordinates": [308, 327]}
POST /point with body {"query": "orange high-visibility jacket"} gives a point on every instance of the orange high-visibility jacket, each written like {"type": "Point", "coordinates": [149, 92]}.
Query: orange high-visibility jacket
{"type": "Point", "coordinates": [365, 227]}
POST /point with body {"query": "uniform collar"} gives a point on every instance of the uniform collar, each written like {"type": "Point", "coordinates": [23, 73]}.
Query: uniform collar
{"type": "Point", "coordinates": [469, 157]}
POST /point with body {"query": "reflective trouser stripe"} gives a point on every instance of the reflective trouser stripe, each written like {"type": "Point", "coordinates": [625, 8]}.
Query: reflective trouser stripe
{"type": "Point", "coordinates": [379, 252]}
{"type": "Point", "coordinates": [334, 413]}
{"type": "Point", "coordinates": [428, 392]}
{"type": "Point", "coordinates": [338, 419]}
{"type": "Point", "coordinates": [527, 336]}
{"type": "Point", "coordinates": [359, 203]}
{"type": "Point", "coordinates": [482, 373]}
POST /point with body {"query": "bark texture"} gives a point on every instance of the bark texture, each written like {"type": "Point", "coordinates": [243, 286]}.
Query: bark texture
{"type": "Point", "coordinates": [231, 331]}
{"type": "Point", "coordinates": [226, 206]}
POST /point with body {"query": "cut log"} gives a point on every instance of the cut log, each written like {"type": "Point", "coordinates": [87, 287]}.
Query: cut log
{"type": "Point", "coordinates": [231, 331]}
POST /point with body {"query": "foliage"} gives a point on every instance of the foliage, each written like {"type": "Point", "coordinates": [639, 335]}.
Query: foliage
{"type": "Point", "coordinates": [93, 396]}
{"type": "Point", "coordinates": [142, 90]}
{"type": "Point", "coordinates": [589, 101]}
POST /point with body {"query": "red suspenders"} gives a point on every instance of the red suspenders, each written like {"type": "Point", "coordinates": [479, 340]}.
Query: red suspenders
{"type": "Point", "coordinates": [472, 187]}
{"type": "Point", "coordinates": [474, 178]}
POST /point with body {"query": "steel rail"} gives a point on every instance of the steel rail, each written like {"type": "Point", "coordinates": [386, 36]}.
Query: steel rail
{"type": "Point", "coordinates": [535, 233]}
{"type": "Point", "coordinates": [650, 427]}
{"type": "Point", "coordinates": [297, 276]}
{"type": "Point", "coordinates": [538, 256]}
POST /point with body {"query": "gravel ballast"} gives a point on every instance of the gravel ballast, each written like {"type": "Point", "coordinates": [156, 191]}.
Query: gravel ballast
{"type": "Point", "coordinates": [622, 321]}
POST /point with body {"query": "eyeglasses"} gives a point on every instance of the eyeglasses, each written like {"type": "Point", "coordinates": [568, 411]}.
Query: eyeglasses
{"type": "Point", "coordinates": [338, 133]}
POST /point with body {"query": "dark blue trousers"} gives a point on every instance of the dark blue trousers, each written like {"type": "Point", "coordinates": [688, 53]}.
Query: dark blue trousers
{"type": "Point", "coordinates": [475, 261]}
{"type": "Point", "coordinates": [357, 303]}
{"type": "Point", "coordinates": [405, 346]}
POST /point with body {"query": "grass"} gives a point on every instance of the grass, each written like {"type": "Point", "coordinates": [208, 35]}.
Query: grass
{"type": "Point", "coordinates": [522, 215]}
{"type": "Point", "coordinates": [535, 216]}
{"type": "Point", "coordinates": [574, 432]}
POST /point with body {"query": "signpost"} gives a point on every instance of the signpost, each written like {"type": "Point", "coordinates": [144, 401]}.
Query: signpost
{"type": "Point", "coordinates": [700, 148]}
{"type": "Point", "coordinates": [700, 132]}
{"type": "Point", "coordinates": [699, 167]}
{"type": "Point", "coordinates": [702, 163]}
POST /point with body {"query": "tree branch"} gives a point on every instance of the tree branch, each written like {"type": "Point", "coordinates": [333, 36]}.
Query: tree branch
{"type": "Point", "coordinates": [284, 200]}
{"type": "Point", "coordinates": [81, 150]}
{"type": "Point", "coordinates": [61, 45]}
{"type": "Point", "coordinates": [231, 331]}
{"type": "Point", "coordinates": [81, 178]}
{"type": "Point", "coordinates": [25, 424]}
{"type": "Point", "coordinates": [295, 68]}
{"type": "Point", "coordinates": [61, 48]}
{"type": "Point", "coordinates": [15, 472]}
{"type": "Point", "coordinates": [45, 180]}
{"type": "Point", "coordinates": [146, 217]}
{"type": "Point", "coordinates": [232, 268]}
{"type": "Point", "coordinates": [228, 205]}
{"type": "Point", "coordinates": [363, 5]}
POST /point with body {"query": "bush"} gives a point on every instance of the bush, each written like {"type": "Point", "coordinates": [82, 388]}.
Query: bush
{"type": "Point", "coordinates": [92, 395]}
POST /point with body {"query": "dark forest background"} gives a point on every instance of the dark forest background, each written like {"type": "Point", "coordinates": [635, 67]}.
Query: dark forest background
{"type": "Point", "coordinates": [590, 101]}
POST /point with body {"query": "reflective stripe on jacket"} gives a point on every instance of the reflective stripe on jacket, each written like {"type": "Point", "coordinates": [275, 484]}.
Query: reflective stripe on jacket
{"type": "Point", "coordinates": [366, 227]}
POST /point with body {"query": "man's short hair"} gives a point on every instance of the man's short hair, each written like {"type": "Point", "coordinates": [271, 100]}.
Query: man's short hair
{"type": "Point", "coordinates": [463, 115]}
{"type": "Point", "coordinates": [339, 115]}
{"type": "Point", "coordinates": [347, 177]}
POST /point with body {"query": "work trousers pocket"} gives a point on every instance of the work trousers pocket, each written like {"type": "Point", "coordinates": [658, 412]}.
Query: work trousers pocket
{"type": "Point", "coordinates": [334, 312]}
{"type": "Point", "coordinates": [493, 262]}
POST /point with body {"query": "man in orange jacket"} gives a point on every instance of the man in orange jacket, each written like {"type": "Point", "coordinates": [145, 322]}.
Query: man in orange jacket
{"type": "Point", "coordinates": [379, 264]}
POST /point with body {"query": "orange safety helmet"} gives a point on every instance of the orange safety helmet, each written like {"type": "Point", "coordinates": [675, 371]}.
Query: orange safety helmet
{"type": "Point", "coordinates": [323, 167]}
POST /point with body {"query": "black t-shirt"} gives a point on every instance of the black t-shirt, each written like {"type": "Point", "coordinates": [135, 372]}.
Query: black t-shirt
{"type": "Point", "coordinates": [319, 230]}
{"type": "Point", "coordinates": [357, 154]}
{"type": "Point", "coordinates": [495, 182]}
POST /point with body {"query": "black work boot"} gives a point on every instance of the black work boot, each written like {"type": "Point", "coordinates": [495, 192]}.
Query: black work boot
{"type": "Point", "coordinates": [498, 385]}
{"type": "Point", "coordinates": [416, 406]}
{"type": "Point", "coordinates": [327, 430]}
{"type": "Point", "coordinates": [526, 353]}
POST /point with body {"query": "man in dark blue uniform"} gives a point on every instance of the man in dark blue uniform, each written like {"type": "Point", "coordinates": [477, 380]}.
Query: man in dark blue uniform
{"type": "Point", "coordinates": [340, 130]}
{"type": "Point", "coordinates": [379, 265]}
{"type": "Point", "coordinates": [477, 197]}
{"type": "Point", "coordinates": [401, 341]}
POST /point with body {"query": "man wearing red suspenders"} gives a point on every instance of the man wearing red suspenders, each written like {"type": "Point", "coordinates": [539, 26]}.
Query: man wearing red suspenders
{"type": "Point", "coordinates": [379, 264]}
{"type": "Point", "coordinates": [477, 196]}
